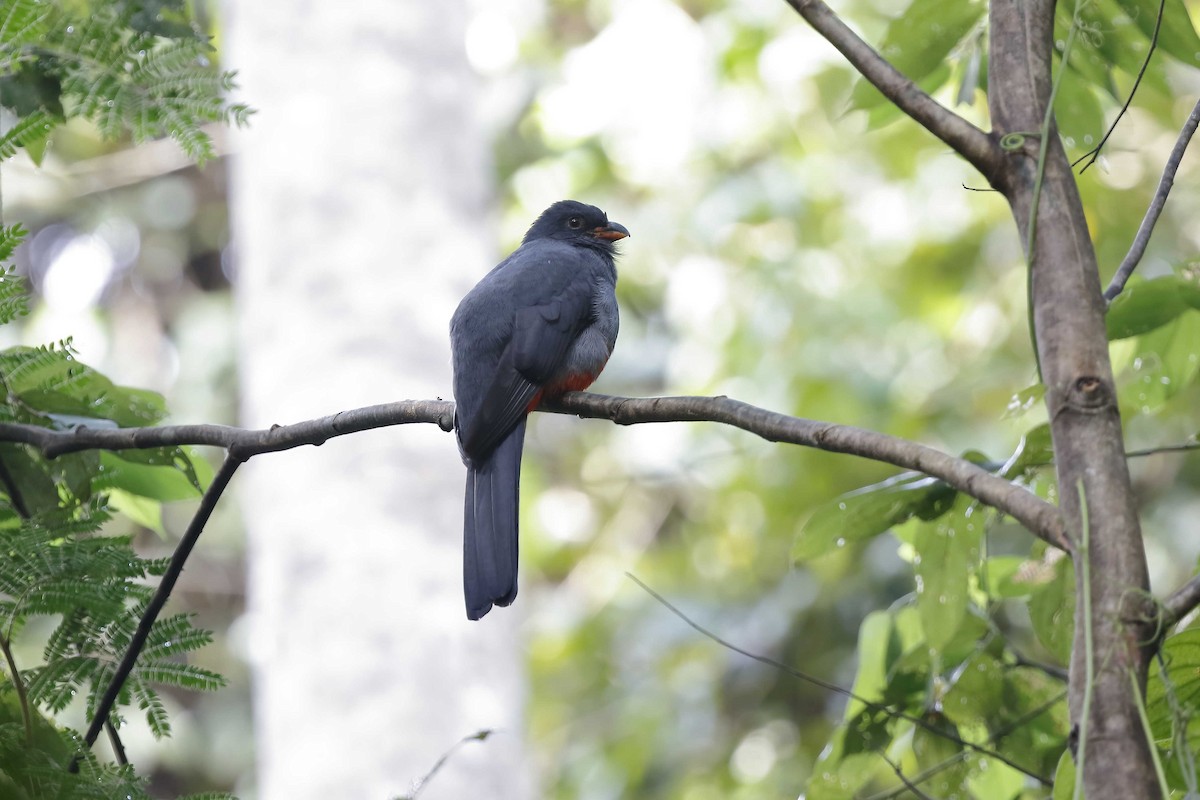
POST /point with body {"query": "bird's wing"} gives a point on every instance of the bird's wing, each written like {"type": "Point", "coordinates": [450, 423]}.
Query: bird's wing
{"type": "Point", "coordinates": [542, 333]}
{"type": "Point", "coordinates": [541, 336]}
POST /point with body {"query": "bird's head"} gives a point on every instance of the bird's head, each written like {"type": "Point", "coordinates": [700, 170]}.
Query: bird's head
{"type": "Point", "coordinates": [578, 223]}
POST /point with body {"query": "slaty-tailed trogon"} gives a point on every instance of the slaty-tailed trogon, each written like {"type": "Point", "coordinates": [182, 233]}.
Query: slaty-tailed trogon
{"type": "Point", "coordinates": [543, 322]}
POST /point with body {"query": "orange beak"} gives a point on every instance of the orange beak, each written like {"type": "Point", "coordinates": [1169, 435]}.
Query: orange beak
{"type": "Point", "coordinates": [612, 232]}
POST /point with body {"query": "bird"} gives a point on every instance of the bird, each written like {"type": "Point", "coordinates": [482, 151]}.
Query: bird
{"type": "Point", "coordinates": [543, 322]}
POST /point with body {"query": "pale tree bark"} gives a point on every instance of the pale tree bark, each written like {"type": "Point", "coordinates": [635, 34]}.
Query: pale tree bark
{"type": "Point", "coordinates": [1068, 311]}
{"type": "Point", "coordinates": [1081, 398]}
{"type": "Point", "coordinates": [359, 210]}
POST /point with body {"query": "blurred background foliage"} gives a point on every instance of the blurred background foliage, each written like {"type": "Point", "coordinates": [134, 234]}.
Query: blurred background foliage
{"type": "Point", "coordinates": [795, 246]}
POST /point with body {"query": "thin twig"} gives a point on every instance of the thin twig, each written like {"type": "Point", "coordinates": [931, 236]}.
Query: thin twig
{"type": "Point", "coordinates": [912, 787]}
{"type": "Point", "coordinates": [114, 739]}
{"type": "Point", "coordinates": [833, 687]}
{"type": "Point", "coordinates": [1094, 153]}
{"type": "Point", "coordinates": [1049, 670]}
{"type": "Point", "coordinates": [1166, 448]}
{"type": "Point", "coordinates": [1039, 517]}
{"type": "Point", "coordinates": [1148, 731]}
{"type": "Point", "coordinates": [1019, 722]}
{"type": "Point", "coordinates": [18, 504]}
{"type": "Point", "coordinates": [161, 595]}
{"type": "Point", "coordinates": [19, 685]}
{"type": "Point", "coordinates": [964, 138]}
{"type": "Point", "coordinates": [1142, 239]}
{"type": "Point", "coordinates": [1089, 651]}
{"type": "Point", "coordinates": [420, 784]}
{"type": "Point", "coordinates": [13, 491]}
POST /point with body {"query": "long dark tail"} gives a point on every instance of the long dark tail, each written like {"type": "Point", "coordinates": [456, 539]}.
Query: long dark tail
{"type": "Point", "coordinates": [490, 527]}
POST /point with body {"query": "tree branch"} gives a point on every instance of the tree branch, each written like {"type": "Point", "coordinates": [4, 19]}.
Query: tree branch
{"type": "Point", "coordinates": [1142, 239]}
{"type": "Point", "coordinates": [161, 595]}
{"type": "Point", "coordinates": [241, 442]}
{"type": "Point", "coordinates": [970, 142]}
{"type": "Point", "coordinates": [1040, 517]}
{"type": "Point", "coordinates": [1180, 603]}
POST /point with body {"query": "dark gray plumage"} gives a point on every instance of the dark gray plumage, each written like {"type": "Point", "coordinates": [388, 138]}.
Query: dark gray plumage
{"type": "Point", "coordinates": [543, 322]}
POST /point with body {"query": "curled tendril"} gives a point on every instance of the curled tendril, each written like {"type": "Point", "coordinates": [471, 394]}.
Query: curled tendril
{"type": "Point", "coordinates": [1016, 139]}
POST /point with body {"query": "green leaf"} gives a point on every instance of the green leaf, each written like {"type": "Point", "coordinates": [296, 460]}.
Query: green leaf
{"type": "Point", "coordinates": [837, 778]}
{"type": "Point", "coordinates": [886, 113]}
{"type": "Point", "coordinates": [142, 510]}
{"type": "Point", "coordinates": [1011, 577]}
{"type": "Point", "coordinates": [978, 693]}
{"type": "Point", "coordinates": [870, 511]}
{"type": "Point", "coordinates": [1034, 719]}
{"type": "Point", "coordinates": [1036, 449]}
{"type": "Point", "coordinates": [932, 750]}
{"type": "Point", "coordinates": [994, 780]}
{"type": "Point", "coordinates": [1176, 36]}
{"type": "Point", "coordinates": [32, 476]}
{"type": "Point", "coordinates": [1182, 655]}
{"type": "Point", "coordinates": [844, 764]}
{"type": "Point", "coordinates": [919, 40]}
{"type": "Point", "coordinates": [52, 381]}
{"type": "Point", "coordinates": [1146, 305]}
{"type": "Point", "coordinates": [164, 474]}
{"type": "Point", "coordinates": [1064, 777]}
{"type": "Point", "coordinates": [874, 634]}
{"type": "Point", "coordinates": [1052, 611]}
{"type": "Point", "coordinates": [1078, 114]}
{"type": "Point", "coordinates": [1116, 41]}
{"type": "Point", "coordinates": [946, 553]}
{"type": "Point", "coordinates": [1024, 400]}
{"type": "Point", "coordinates": [1166, 362]}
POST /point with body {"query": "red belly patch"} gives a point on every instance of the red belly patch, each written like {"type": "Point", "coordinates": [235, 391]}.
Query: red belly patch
{"type": "Point", "coordinates": [571, 383]}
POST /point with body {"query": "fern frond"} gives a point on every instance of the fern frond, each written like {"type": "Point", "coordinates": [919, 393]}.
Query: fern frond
{"type": "Point", "coordinates": [50, 379]}
{"type": "Point", "coordinates": [14, 301]}
{"type": "Point", "coordinates": [239, 113]}
{"type": "Point", "coordinates": [165, 63]}
{"type": "Point", "coordinates": [63, 595]}
{"type": "Point", "coordinates": [176, 638]}
{"type": "Point", "coordinates": [149, 85]}
{"type": "Point", "coordinates": [10, 237]}
{"type": "Point", "coordinates": [27, 368]}
{"type": "Point", "coordinates": [183, 125]}
{"type": "Point", "coordinates": [149, 701]}
{"type": "Point", "coordinates": [26, 131]}
{"type": "Point", "coordinates": [55, 685]}
{"type": "Point", "coordinates": [182, 676]}
{"type": "Point", "coordinates": [75, 626]}
{"type": "Point", "coordinates": [23, 23]}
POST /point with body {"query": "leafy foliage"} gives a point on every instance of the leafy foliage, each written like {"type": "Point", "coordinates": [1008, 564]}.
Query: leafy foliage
{"type": "Point", "coordinates": [831, 312]}
{"type": "Point", "coordinates": [134, 65]}
{"type": "Point", "coordinates": [87, 585]}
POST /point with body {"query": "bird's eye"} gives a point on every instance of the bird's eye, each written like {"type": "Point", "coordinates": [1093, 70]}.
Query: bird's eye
{"type": "Point", "coordinates": [575, 223]}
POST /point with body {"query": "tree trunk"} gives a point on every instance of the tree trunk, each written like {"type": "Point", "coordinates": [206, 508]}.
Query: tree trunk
{"type": "Point", "coordinates": [359, 205]}
{"type": "Point", "coordinates": [1081, 398]}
